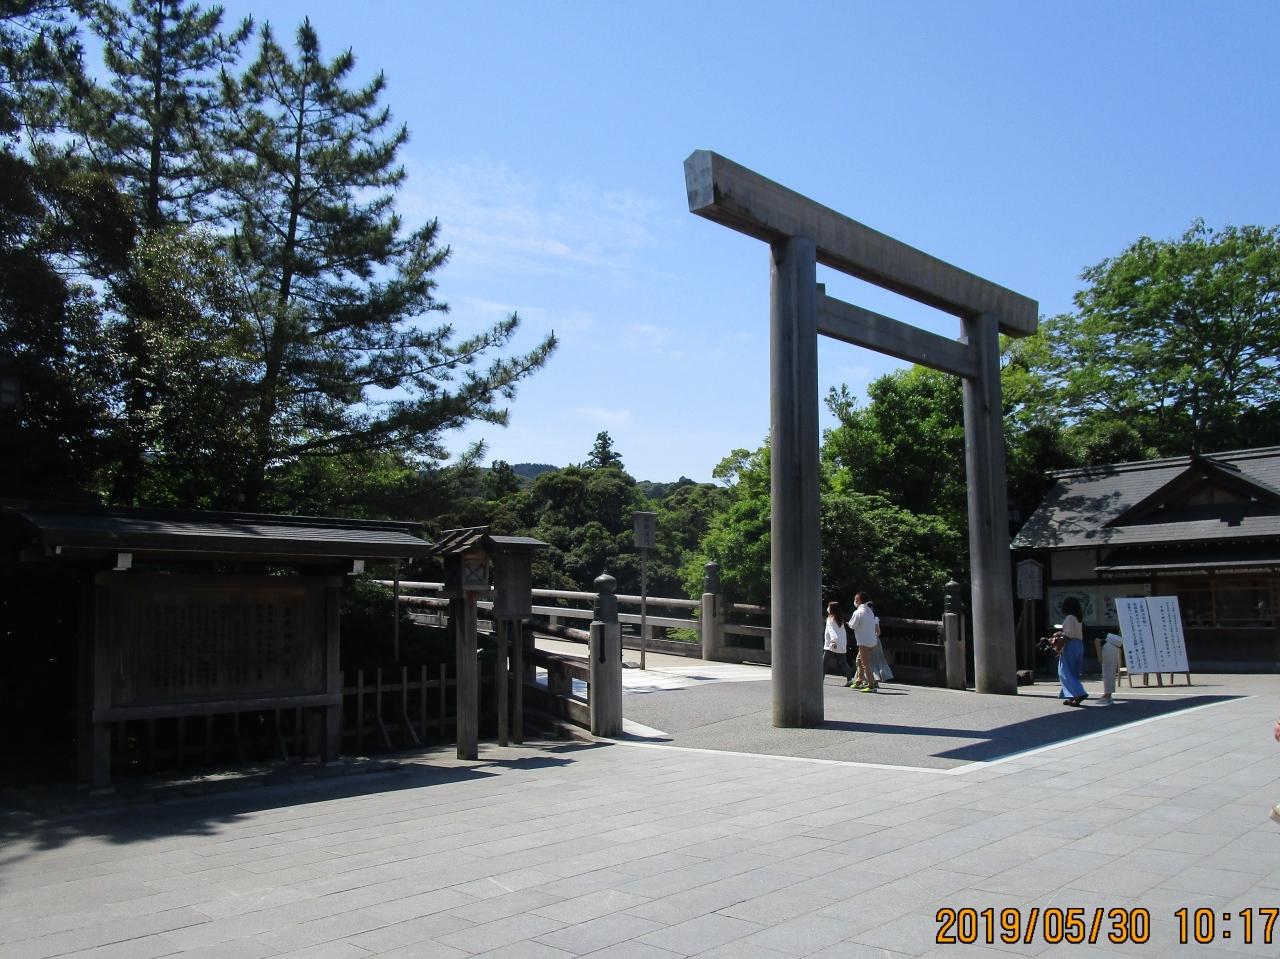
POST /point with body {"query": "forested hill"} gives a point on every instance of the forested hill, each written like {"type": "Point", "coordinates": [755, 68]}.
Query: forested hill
{"type": "Point", "coordinates": [529, 471]}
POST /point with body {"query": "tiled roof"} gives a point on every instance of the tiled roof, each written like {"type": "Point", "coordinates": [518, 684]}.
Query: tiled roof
{"type": "Point", "coordinates": [1076, 511]}
{"type": "Point", "coordinates": [76, 527]}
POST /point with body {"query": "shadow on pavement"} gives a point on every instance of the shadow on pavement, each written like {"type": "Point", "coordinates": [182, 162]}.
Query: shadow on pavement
{"type": "Point", "coordinates": [141, 817]}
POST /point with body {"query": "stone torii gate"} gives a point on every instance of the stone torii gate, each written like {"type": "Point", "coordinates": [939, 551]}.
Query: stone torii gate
{"type": "Point", "coordinates": [802, 234]}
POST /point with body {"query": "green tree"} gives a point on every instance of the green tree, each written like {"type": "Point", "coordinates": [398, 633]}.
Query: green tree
{"type": "Point", "coordinates": [151, 125]}
{"type": "Point", "coordinates": [149, 128]}
{"type": "Point", "coordinates": [737, 536]}
{"type": "Point", "coordinates": [898, 558]}
{"type": "Point", "coordinates": [501, 481]}
{"type": "Point", "coordinates": [1177, 340]}
{"type": "Point", "coordinates": [57, 222]}
{"type": "Point", "coordinates": [603, 455]}
{"type": "Point", "coordinates": [335, 287]}
{"type": "Point", "coordinates": [906, 444]}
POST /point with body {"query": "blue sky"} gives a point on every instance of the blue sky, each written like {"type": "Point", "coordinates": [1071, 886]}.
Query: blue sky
{"type": "Point", "coordinates": [1020, 141]}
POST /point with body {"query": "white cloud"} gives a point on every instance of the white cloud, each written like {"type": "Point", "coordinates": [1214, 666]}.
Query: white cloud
{"type": "Point", "coordinates": [854, 374]}
{"type": "Point", "coordinates": [612, 419]}
{"type": "Point", "coordinates": [562, 321]}
{"type": "Point", "coordinates": [495, 218]}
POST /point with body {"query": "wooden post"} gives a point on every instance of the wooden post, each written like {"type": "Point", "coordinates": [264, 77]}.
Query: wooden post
{"type": "Point", "coordinates": [100, 745]}
{"type": "Point", "coordinates": [395, 628]}
{"type": "Point", "coordinates": [517, 667]}
{"type": "Point", "coordinates": [468, 691]}
{"type": "Point", "coordinates": [332, 741]}
{"type": "Point", "coordinates": [501, 629]}
{"type": "Point", "coordinates": [85, 668]}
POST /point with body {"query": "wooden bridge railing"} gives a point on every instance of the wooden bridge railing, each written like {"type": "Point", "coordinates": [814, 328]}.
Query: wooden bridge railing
{"type": "Point", "coordinates": [914, 647]}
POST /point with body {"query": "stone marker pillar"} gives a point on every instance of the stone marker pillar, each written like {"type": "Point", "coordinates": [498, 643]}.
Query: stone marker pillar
{"type": "Point", "coordinates": [604, 697]}
{"type": "Point", "coordinates": [796, 594]}
{"type": "Point", "coordinates": [712, 618]}
{"type": "Point", "coordinates": [995, 665]}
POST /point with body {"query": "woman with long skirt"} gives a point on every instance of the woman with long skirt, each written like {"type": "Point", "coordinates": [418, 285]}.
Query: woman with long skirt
{"type": "Point", "coordinates": [1070, 644]}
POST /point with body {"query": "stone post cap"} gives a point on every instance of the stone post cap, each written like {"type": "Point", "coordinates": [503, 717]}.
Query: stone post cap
{"type": "Point", "coordinates": [953, 598]}
{"type": "Point", "coordinates": [605, 609]}
{"type": "Point", "coordinates": [711, 578]}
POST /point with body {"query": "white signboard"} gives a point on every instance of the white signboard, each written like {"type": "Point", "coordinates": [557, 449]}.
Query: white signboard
{"type": "Point", "coordinates": [1107, 596]}
{"type": "Point", "coordinates": [1166, 627]}
{"type": "Point", "coordinates": [1030, 580]}
{"type": "Point", "coordinates": [1152, 632]}
{"type": "Point", "coordinates": [646, 529]}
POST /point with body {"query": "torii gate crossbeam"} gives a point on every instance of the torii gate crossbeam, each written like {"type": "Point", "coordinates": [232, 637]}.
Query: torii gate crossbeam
{"type": "Point", "coordinates": [801, 234]}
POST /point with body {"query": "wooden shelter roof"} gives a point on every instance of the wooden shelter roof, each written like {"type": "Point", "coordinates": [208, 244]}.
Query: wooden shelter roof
{"type": "Point", "coordinates": [46, 529]}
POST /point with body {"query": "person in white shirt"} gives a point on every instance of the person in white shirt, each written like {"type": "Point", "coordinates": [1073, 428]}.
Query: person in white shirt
{"type": "Point", "coordinates": [879, 662]}
{"type": "Point", "coordinates": [863, 622]}
{"type": "Point", "coordinates": [833, 642]}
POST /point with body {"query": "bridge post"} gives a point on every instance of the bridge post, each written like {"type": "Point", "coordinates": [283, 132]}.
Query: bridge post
{"type": "Point", "coordinates": [953, 644]}
{"type": "Point", "coordinates": [604, 697]}
{"type": "Point", "coordinates": [795, 560]}
{"type": "Point", "coordinates": [711, 624]}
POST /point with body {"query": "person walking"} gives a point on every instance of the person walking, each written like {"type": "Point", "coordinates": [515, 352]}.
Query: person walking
{"type": "Point", "coordinates": [834, 643]}
{"type": "Point", "coordinates": [863, 622]}
{"type": "Point", "coordinates": [1109, 656]}
{"type": "Point", "coordinates": [879, 662]}
{"type": "Point", "coordinates": [1069, 642]}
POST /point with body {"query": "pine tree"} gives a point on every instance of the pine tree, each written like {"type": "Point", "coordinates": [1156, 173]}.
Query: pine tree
{"type": "Point", "coordinates": [602, 454]}
{"type": "Point", "coordinates": [149, 128]}
{"type": "Point", "coordinates": [333, 282]}
{"type": "Point", "coordinates": [151, 125]}
{"type": "Point", "coordinates": [53, 216]}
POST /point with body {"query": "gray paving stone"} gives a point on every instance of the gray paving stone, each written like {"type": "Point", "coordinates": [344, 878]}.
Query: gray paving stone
{"type": "Point", "coordinates": [591, 905]}
{"type": "Point", "coordinates": [595, 934]}
{"type": "Point", "coordinates": [698, 935]}
{"type": "Point", "coordinates": [632, 950]}
{"type": "Point", "coordinates": [525, 950]}
{"type": "Point", "coordinates": [801, 936]}
{"type": "Point", "coordinates": [501, 932]}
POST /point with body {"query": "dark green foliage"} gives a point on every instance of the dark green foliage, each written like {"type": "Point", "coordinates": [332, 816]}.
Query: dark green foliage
{"type": "Point", "coordinates": [368, 632]}
{"type": "Point", "coordinates": [900, 558]}
{"type": "Point", "coordinates": [531, 471]}
{"type": "Point", "coordinates": [501, 481]}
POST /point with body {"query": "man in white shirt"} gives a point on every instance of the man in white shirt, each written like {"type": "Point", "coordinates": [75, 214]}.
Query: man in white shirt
{"type": "Point", "coordinates": [863, 622]}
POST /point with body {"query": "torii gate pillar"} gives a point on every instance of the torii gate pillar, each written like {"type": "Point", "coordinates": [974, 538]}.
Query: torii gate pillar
{"type": "Point", "coordinates": [801, 234]}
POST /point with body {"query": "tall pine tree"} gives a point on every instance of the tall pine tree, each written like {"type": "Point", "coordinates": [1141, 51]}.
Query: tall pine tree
{"type": "Point", "coordinates": [148, 127]}
{"type": "Point", "coordinates": [334, 285]}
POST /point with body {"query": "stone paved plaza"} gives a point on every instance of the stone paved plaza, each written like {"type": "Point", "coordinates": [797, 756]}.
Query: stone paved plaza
{"type": "Point", "coordinates": [651, 850]}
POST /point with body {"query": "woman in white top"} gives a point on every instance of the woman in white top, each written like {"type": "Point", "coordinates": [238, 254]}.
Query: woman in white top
{"type": "Point", "coordinates": [1070, 644]}
{"type": "Point", "coordinates": [834, 642]}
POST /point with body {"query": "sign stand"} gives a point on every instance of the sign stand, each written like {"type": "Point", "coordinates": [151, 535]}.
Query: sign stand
{"type": "Point", "coordinates": [646, 535]}
{"type": "Point", "coordinates": [1153, 638]}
